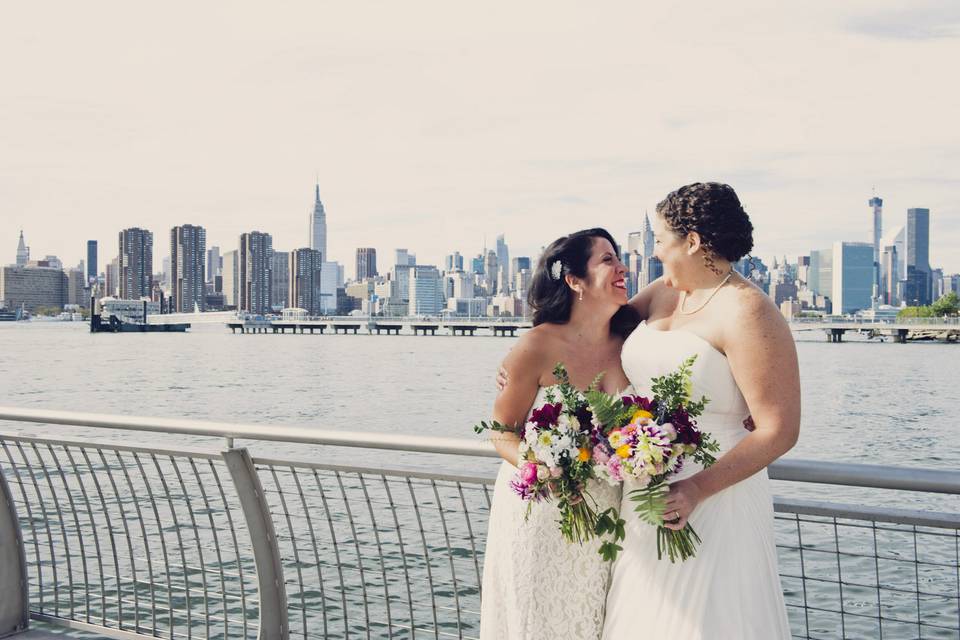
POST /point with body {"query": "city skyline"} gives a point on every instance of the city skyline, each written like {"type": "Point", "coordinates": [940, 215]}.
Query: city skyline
{"type": "Point", "coordinates": [889, 222]}
{"type": "Point", "coordinates": [602, 135]}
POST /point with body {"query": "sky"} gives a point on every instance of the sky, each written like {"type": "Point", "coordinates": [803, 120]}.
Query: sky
{"type": "Point", "coordinates": [435, 126]}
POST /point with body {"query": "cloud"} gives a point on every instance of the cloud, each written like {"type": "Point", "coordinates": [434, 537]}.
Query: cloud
{"type": "Point", "coordinates": [929, 21]}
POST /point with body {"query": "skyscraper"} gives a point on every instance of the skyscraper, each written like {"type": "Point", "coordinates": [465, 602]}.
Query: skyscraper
{"type": "Point", "coordinates": [213, 263]}
{"type": "Point", "coordinates": [23, 252]}
{"type": "Point", "coordinates": [877, 205]}
{"type": "Point", "coordinates": [889, 275]}
{"type": "Point", "coordinates": [643, 268]}
{"type": "Point", "coordinates": [366, 263]}
{"type": "Point", "coordinates": [92, 271]}
{"type": "Point", "coordinates": [256, 251]}
{"type": "Point", "coordinates": [280, 280]}
{"type": "Point", "coordinates": [503, 258]}
{"type": "Point", "coordinates": [492, 271]}
{"type": "Point", "coordinates": [852, 276]}
{"type": "Point", "coordinates": [306, 280]}
{"type": "Point", "coordinates": [917, 288]}
{"type": "Point", "coordinates": [821, 272]}
{"type": "Point", "coordinates": [404, 258]}
{"type": "Point", "coordinates": [318, 227]}
{"type": "Point", "coordinates": [519, 263]}
{"type": "Point", "coordinates": [231, 278]}
{"type": "Point", "coordinates": [426, 290]}
{"type": "Point", "coordinates": [453, 262]}
{"type": "Point", "coordinates": [135, 263]}
{"type": "Point", "coordinates": [188, 252]}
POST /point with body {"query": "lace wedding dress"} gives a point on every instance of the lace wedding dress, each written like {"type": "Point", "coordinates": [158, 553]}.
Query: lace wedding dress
{"type": "Point", "coordinates": [731, 588]}
{"type": "Point", "coordinates": [535, 583]}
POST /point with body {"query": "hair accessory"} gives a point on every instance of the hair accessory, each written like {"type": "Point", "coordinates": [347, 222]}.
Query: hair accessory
{"type": "Point", "coordinates": [556, 269]}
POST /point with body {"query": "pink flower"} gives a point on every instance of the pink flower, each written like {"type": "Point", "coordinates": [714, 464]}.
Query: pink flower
{"type": "Point", "coordinates": [615, 469]}
{"type": "Point", "coordinates": [556, 472]}
{"type": "Point", "coordinates": [600, 455]}
{"type": "Point", "coordinates": [528, 473]}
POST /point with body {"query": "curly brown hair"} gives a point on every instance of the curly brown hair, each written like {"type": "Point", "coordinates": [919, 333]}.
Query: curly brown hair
{"type": "Point", "coordinates": [713, 210]}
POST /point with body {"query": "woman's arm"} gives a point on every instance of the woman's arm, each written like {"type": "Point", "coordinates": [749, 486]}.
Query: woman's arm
{"type": "Point", "coordinates": [641, 301]}
{"type": "Point", "coordinates": [523, 364]}
{"type": "Point", "coordinates": [763, 359]}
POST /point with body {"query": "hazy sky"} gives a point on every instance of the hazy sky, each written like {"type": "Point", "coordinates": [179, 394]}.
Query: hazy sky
{"type": "Point", "coordinates": [432, 124]}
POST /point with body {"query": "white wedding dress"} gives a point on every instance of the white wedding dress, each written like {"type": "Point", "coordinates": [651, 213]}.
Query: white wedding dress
{"type": "Point", "coordinates": [535, 583]}
{"type": "Point", "coordinates": [731, 589]}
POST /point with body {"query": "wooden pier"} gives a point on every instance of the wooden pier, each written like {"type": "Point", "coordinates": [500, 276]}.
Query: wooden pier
{"type": "Point", "coordinates": [498, 327]}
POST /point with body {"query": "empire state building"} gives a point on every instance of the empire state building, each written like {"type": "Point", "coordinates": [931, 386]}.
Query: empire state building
{"type": "Point", "coordinates": [318, 228]}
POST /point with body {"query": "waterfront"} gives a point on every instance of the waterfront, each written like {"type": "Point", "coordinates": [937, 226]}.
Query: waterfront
{"type": "Point", "coordinates": [873, 403]}
{"type": "Point", "coordinates": [863, 402]}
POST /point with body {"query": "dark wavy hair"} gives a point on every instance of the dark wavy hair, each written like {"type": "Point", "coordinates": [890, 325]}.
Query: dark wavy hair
{"type": "Point", "coordinates": [714, 211]}
{"type": "Point", "coordinates": [552, 300]}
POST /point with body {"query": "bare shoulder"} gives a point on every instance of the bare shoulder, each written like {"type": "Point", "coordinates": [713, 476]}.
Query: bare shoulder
{"type": "Point", "coordinates": [532, 350]}
{"type": "Point", "coordinates": [750, 311]}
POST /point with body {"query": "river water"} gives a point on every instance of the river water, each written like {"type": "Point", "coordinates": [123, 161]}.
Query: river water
{"type": "Point", "coordinates": [862, 401]}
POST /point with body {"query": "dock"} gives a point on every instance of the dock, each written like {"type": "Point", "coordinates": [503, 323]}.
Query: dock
{"type": "Point", "coordinates": [498, 327]}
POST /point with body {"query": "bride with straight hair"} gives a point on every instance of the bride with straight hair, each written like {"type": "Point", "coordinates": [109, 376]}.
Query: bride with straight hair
{"type": "Point", "coordinates": [535, 583]}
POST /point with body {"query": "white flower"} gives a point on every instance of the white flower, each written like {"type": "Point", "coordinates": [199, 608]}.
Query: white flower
{"type": "Point", "coordinates": [556, 269]}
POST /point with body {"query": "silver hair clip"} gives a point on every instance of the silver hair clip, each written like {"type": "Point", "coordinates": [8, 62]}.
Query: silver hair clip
{"type": "Point", "coordinates": [556, 269]}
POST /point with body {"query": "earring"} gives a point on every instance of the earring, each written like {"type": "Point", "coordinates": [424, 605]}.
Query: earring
{"type": "Point", "coordinates": [581, 295]}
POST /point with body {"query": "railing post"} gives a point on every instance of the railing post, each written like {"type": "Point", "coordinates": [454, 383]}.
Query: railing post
{"type": "Point", "coordinates": [274, 624]}
{"type": "Point", "coordinates": [14, 599]}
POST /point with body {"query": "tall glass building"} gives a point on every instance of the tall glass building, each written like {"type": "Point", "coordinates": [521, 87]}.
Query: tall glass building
{"type": "Point", "coordinates": [917, 288]}
{"type": "Point", "coordinates": [852, 276]}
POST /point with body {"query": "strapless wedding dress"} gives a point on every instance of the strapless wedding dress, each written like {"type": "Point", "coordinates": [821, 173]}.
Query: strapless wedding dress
{"type": "Point", "coordinates": [731, 589]}
{"type": "Point", "coordinates": [535, 583]}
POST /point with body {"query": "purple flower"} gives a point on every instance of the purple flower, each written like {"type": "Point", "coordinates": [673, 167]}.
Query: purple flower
{"type": "Point", "coordinates": [640, 402]}
{"type": "Point", "coordinates": [547, 415]}
{"type": "Point", "coordinates": [585, 417]}
{"type": "Point", "coordinates": [527, 492]}
{"type": "Point", "coordinates": [687, 432]}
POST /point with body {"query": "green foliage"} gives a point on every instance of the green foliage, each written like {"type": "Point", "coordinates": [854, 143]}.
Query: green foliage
{"type": "Point", "coordinates": [607, 409]}
{"type": "Point", "coordinates": [914, 312]}
{"type": "Point", "coordinates": [675, 390]}
{"type": "Point", "coordinates": [948, 305]}
{"type": "Point", "coordinates": [651, 502]}
{"type": "Point", "coordinates": [493, 425]}
{"type": "Point", "coordinates": [610, 523]}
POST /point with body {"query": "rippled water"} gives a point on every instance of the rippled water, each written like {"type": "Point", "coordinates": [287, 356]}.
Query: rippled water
{"type": "Point", "coordinates": [862, 402]}
{"type": "Point", "coordinates": [882, 403]}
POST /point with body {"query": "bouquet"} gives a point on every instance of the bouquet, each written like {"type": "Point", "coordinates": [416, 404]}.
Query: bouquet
{"type": "Point", "coordinates": [649, 440]}
{"type": "Point", "coordinates": [556, 461]}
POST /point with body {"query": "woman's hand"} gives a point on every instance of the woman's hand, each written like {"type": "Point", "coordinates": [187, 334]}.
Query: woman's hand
{"type": "Point", "coordinates": [502, 379]}
{"type": "Point", "coordinates": [683, 498]}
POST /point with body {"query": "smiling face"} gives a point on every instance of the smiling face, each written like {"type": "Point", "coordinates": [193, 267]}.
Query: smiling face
{"type": "Point", "coordinates": [605, 280]}
{"type": "Point", "coordinates": [674, 251]}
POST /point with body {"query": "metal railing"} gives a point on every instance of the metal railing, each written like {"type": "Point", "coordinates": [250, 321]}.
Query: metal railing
{"type": "Point", "coordinates": [142, 541]}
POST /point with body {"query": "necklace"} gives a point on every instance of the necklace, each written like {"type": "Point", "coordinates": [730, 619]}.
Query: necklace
{"type": "Point", "coordinates": [683, 296]}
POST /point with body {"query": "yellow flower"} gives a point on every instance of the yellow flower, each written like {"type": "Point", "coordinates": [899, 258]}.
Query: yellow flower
{"type": "Point", "coordinates": [640, 413]}
{"type": "Point", "coordinates": [584, 455]}
{"type": "Point", "coordinates": [624, 451]}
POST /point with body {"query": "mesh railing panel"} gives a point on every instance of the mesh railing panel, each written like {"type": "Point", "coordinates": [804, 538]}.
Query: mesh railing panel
{"type": "Point", "coordinates": [155, 542]}
{"type": "Point", "coordinates": [371, 554]}
{"type": "Point", "coordinates": [847, 578]}
{"type": "Point", "coordinates": [133, 539]}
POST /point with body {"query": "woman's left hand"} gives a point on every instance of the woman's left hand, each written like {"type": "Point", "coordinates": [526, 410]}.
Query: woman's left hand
{"type": "Point", "coordinates": [683, 498]}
